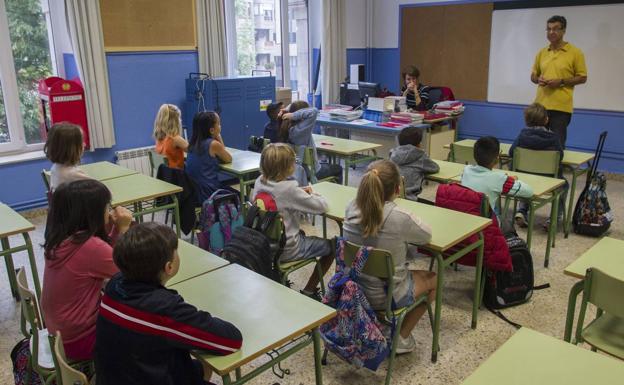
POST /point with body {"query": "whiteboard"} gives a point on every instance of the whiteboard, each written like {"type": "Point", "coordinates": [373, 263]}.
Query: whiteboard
{"type": "Point", "coordinates": [518, 34]}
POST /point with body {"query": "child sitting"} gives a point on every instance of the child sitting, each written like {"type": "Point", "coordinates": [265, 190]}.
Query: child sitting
{"type": "Point", "coordinates": [537, 137]}
{"type": "Point", "coordinates": [277, 163]}
{"type": "Point", "coordinates": [144, 330]}
{"type": "Point", "coordinates": [206, 151]}
{"type": "Point", "coordinates": [299, 120]}
{"type": "Point", "coordinates": [481, 178]}
{"type": "Point", "coordinates": [167, 130]}
{"type": "Point", "coordinates": [373, 219]}
{"type": "Point", "coordinates": [64, 148]}
{"type": "Point", "coordinates": [78, 259]}
{"type": "Point", "coordinates": [413, 162]}
{"type": "Point", "coordinates": [271, 129]}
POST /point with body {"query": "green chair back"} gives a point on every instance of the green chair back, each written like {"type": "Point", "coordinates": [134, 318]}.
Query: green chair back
{"type": "Point", "coordinates": [604, 291]}
{"type": "Point", "coordinates": [45, 176]}
{"type": "Point", "coordinates": [402, 188]}
{"type": "Point", "coordinates": [309, 163]}
{"type": "Point", "coordinates": [462, 154]}
{"type": "Point", "coordinates": [536, 161]}
{"type": "Point", "coordinates": [68, 375]}
{"type": "Point", "coordinates": [156, 160]}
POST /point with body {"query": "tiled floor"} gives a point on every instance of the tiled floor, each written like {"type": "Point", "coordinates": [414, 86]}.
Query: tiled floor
{"type": "Point", "coordinates": [463, 348]}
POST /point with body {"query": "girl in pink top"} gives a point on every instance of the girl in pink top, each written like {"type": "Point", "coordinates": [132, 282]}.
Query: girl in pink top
{"type": "Point", "coordinates": [78, 259]}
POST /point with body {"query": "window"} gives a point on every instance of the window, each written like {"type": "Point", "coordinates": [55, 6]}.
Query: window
{"type": "Point", "coordinates": [255, 43]}
{"type": "Point", "coordinates": [25, 60]}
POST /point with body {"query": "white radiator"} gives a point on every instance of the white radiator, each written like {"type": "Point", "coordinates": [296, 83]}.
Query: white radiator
{"type": "Point", "coordinates": [136, 159]}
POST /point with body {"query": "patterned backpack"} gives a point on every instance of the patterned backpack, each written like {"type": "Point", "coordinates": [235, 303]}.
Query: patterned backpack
{"type": "Point", "coordinates": [220, 215]}
{"type": "Point", "coordinates": [354, 335]}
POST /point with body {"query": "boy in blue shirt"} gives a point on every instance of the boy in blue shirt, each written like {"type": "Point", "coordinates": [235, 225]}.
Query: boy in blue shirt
{"type": "Point", "coordinates": [535, 136]}
{"type": "Point", "coordinates": [272, 127]}
{"type": "Point", "coordinates": [482, 178]}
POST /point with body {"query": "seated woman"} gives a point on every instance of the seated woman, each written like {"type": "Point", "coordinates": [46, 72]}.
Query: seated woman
{"type": "Point", "coordinates": [416, 93]}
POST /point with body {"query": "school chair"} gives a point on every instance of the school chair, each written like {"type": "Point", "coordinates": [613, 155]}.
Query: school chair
{"type": "Point", "coordinates": [606, 331]}
{"type": "Point", "coordinates": [31, 324]}
{"type": "Point", "coordinates": [309, 164]}
{"type": "Point", "coordinates": [155, 160]}
{"type": "Point", "coordinates": [67, 374]}
{"type": "Point", "coordinates": [276, 234]}
{"type": "Point", "coordinates": [380, 264]}
{"type": "Point", "coordinates": [402, 188]}
{"type": "Point", "coordinates": [540, 162]}
{"type": "Point", "coordinates": [462, 154]}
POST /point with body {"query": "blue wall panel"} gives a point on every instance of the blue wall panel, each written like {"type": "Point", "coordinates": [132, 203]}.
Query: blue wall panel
{"type": "Point", "coordinates": [71, 70]}
{"type": "Point", "coordinates": [139, 84]}
{"type": "Point", "coordinates": [505, 121]}
{"type": "Point", "coordinates": [386, 71]}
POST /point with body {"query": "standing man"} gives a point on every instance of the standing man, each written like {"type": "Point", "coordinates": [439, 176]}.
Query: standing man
{"type": "Point", "coordinates": [557, 69]}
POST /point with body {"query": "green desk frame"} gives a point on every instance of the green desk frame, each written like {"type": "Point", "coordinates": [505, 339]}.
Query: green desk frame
{"type": "Point", "coordinates": [244, 163]}
{"type": "Point", "coordinates": [350, 151]}
{"type": "Point", "coordinates": [14, 224]}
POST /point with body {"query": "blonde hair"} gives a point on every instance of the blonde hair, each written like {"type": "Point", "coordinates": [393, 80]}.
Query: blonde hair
{"type": "Point", "coordinates": [167, 122]}
{"type": "Point", "coordinates": [277, 162]}
{"type": "Point", "coordinates": [377, 186]}
{"type": "Point", "coordinates": [535, 115]}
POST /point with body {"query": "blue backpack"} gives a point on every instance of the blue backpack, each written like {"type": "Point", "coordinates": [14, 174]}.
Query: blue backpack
{"type": "Point", "coordinates": [220, 216]}
{"type": "Point", "coordinates": [355, 334]}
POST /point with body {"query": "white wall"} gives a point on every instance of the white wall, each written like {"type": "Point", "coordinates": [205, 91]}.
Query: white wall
{"type": "Point", "coordinates": [356, 23]}
{"type": "Point", "coordinates": [386, 21]}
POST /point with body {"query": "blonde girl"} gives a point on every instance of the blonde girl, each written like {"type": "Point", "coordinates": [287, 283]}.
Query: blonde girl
{"type": "Point", "coordinates": [64, 148]}
{"type": "Point", "coordinates": [167, 130]}
{"type": "Point", "coordinates": [373, 219]}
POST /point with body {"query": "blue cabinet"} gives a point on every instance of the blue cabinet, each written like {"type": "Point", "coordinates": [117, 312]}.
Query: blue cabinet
{"type": "Point", "coordinates": [236, 99]}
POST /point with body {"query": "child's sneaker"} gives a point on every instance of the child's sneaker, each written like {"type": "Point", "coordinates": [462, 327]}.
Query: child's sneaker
{"type": "Point", "coordinates": [520, 220]}
{"type": "Point", "coordinates": [406, 345]}
{"type": "Point", "coordinates": [315, 295]}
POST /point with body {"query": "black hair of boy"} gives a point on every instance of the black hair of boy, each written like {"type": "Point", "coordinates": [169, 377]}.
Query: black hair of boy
{"type": "Point", "coordinates": [410, 135]}
{"type": "Point", "coordinates": [76, 211]}
{"type": "Point", "coordinates": [143, 251]}
{"type": "Point", "coordinates": [273, 110]}
{"type": "Point", "coordinates": [486, 150]}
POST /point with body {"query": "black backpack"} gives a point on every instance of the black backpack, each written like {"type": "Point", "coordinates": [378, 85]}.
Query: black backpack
{"type": "Point", "coordinates": [252, 248]}
{"type": "Point", "coordinates": [592, 213]}
{"type": "Point", "coordinates": [509, 288]}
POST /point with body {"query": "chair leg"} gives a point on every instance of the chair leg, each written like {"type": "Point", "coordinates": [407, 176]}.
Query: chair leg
{"type": "Point", "coordinates": [431, 264]}
{"type": "Point", "coordinates": [324, 358]}
{"type": "Point", "coordinates": [319, 272]}
{"type": "Point", "coordinates": [395, 342]}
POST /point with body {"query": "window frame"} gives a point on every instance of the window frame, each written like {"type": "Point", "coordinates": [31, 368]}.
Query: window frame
{"type": "Point", "coordinates": [285, 39]}
{"type": "Point", "coordinates": [10, 89]}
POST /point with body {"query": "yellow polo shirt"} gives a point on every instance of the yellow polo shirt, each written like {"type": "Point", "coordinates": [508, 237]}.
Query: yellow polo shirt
{"type": "Point", "coordinates": [564, 63]}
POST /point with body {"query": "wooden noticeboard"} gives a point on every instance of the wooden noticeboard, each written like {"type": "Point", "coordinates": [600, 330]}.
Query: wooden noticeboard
{"type": "Point", "coordinates": [148, 25]}
{"type": "Point", "coordinates": [450, 45]}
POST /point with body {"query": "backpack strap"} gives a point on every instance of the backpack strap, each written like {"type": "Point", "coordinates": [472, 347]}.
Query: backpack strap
{"type": "Point", "coordinates": [252, 213]}
{"type": "Point", "coordinates": [359, 261]}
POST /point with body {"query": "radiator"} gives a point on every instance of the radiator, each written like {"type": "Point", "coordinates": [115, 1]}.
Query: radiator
{"type": "Point", "coordinates": [136, 159]}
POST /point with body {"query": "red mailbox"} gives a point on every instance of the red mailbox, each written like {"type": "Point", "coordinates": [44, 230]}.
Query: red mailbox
{"type": "Point", "coordinates": [62, 101]}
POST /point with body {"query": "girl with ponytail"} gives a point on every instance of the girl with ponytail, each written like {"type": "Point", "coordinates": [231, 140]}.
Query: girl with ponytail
{"type": "Point", "coordinates": [373, 219]}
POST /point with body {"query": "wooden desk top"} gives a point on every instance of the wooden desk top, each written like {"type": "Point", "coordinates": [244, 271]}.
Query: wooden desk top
{"type": "Point", "coordinates": [194, 262]}
{"type": "Point", "coordinates": [340, 146]}
{"type": "Point", "coordinates": [138, 187]}
{"type": "Point", "coordinates": [12, 222]}
{"type": "Point", "coordinates": [606, 255]}
{"type": "Point", "coordinates": [448, 227]}
{"type": "Point", "coordinates": [267, 314]}
{"type": "Point", "coordinates": [529, 357]}
{"type": "Point", "coordinates": [243, 162]}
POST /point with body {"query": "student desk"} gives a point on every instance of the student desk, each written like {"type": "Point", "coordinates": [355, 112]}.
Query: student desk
{"type": "Point", "coordinates": [349, 150]}
{"type": "Point", "coordinates": [138, 188]}
{"type": "Point", "coordinates": [194, 262]}
{"type": "Point", "coordinates": [244, 163]}
{"type": "Point", "coordinates": [541, 186]}
{"type": "Point", "coordinates": [272, 318]}
{"type": "Point", "coordinates": [529, 357]}
{"type": "Point", "coordinates": [605, 255]}
{"type": "Point", "coordinates": [448, 229]}
{"type": "Point", "coordinates": [448, 170]}
{"type": "Point", "coordinates": [12, 223]}
{"type": "Point", "coordinates": [101, 171]}
{"type": "Point", "coordinates": [571, 159]}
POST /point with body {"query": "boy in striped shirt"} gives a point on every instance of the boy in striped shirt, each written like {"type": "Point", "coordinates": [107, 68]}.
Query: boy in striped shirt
{"type": "Point", "coordinates": [145, 331]}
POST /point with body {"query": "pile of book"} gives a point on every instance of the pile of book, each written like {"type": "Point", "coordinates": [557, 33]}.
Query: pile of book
{"type": "Point", "coordinates": [344, 116]}
{"type": "Point", "coordinates": [406, 118]}
{"type": "Point", "coordinates": [449, 107]}
{"type": "Point", "coordinates": [324, 113]}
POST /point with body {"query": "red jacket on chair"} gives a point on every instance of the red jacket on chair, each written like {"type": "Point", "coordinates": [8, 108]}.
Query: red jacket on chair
{"type": "Point", "coordinates": [496, 255]}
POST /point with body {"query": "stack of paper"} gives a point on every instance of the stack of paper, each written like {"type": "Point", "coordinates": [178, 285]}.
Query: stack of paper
{"type": "Point", "coordinates": [395, 103]}
{"type": "Point", "coordinates": [324, 113]}
{"type": "Point", "coordinates": [407, 117]}
{"type": "Point", "coordinates": [344, 116]}
{"type": "Point", "coordinates": [449, 107]}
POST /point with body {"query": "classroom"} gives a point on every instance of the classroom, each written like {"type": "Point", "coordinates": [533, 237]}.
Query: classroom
{"type": "Point", "coordinates": [311, 191]}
